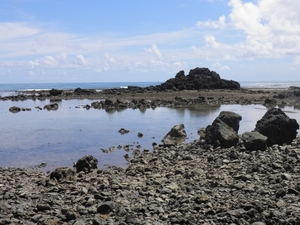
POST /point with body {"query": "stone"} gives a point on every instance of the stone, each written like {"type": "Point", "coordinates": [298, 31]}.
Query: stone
{"type": "Point", "coordinates": [123, 131]}
{"type": "Point", "coordinates": [254, 141]}
{"type": "Point", "coordinates": [232, 119]}
{"type": "Point", "coordinates": [62, 174]}
{"type": "Point", "coordinates": [14, 109]}
{"type": "Point", "coordinates": [55, 92]}
{"type": "Point", "coordinates": [219, 134]}
{"type": "Point", "coordinates": [278, 127]}
{"type": "Point", "coordinates": [86, 164]}
{"type": "Point", "coordinates": [175, 136]}
{"type": "Point", "coordinates": [51, 106]}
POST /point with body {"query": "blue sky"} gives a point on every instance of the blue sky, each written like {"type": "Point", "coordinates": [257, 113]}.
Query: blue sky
{"type": "Point", "coordinates": [107, 41]}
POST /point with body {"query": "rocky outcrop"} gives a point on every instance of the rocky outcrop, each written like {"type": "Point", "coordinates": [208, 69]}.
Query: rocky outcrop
{"type": "Point", "coordinates": [223, 131]}
{"type": "Point", "coordinates": [79, 91]}
{"type": "Point", "coordinates": [254, 141]}
{"type": "Point", "coordinates": [55, 92]}
{"type": "Point", "coordinates": [86, 164]}
{"type": "Point", "coordinates": [51, 106]}
{"type": "Point", "coordinates": [198, 78]}
{"type": "Point", "coordinates": [175, 136]}
{"type": "Point", "coordinates": [63, 174]}
{"type": "Point", "coordinates": [278, 127]}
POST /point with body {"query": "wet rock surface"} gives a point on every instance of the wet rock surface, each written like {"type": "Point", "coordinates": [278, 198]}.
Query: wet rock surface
{"type": "Point", "coordinates": [186, 184]}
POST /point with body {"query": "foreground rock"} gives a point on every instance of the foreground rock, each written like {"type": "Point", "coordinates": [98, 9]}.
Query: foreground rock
{"type": "Point", "coordinates": [183, 184]}
{"type": "Point", "coordinates": [278, 127]}
{"type": "Point", "coordinates": [223, 131]}
{"type": "Point", "coordinates": [175, 136]}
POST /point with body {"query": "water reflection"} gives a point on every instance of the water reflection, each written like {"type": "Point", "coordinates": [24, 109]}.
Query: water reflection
{"type": "Point", "coordinates": [61, 137]}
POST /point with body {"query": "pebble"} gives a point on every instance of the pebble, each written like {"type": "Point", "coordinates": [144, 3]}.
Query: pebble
{"type": "Point", "coordinates": [186, 184]}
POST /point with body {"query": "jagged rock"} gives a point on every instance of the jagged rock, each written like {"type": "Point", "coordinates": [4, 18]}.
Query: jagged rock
{"type": "Point", "coordinates": [219, 134]}
{"type": "Point", "coordinates": [63, 173]}
{"type": "Point", "coordinates": [198, 78]}
{"type": "Point", "coordinates": [55, 92]}
{"type": "Point", "coordinates": [86, 164]}
{"type": "Point", "coordinates": [51, 106]}
{"type": "Point", "coordinates": [254, 141]}
{"type": "Point", "coordinates": [232, 119]}
{"type": "Point", "coordinates": [14, 109]}
{"type": "Point", "coordinates": [223, 131]}
{"type": "Point", "coordinates": [278, 127]}
{"type": "Point", "coordinates": [175, 136]}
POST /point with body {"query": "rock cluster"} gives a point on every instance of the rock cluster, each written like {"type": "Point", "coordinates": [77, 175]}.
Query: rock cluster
{"type": "Point", "coordinates": [183, 184]}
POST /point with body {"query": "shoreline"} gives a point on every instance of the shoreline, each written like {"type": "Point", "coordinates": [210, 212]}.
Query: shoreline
{"type": "Point", "coordinates": [183, 184]}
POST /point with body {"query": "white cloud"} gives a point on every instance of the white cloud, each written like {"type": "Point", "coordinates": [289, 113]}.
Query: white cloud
{"type": "Point", "coordinates": [221, 23]}
{"type": "Point", "coordinates": [80, 60]}
{"type": "Point", "coordinates": [154, 51]}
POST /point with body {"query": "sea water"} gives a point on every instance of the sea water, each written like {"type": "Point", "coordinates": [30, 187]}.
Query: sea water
{"type": "Point", "coordinates": [61, 137]}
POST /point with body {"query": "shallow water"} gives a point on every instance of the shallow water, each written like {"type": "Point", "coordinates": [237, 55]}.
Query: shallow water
{"type": "Point", "coordinates": [61, 137]}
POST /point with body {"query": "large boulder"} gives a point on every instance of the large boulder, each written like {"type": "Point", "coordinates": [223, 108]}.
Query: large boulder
{"type": "Point", "coordinates": [223, 131]}
{"type": "Point", "coordinates": [175, 136]}
{"type": "Point", "coordinates": [254, 141]}
{"type": "Point", "coordinates": [278, 127]}
{"type": "Point", "coordinates": [232, 119]}
{"type": "Point", "coordinates": [86, 164]}
{"type": "Point", "coordinates": [198, 78]}
{"type": "Point", "coordinates": [63, 174]}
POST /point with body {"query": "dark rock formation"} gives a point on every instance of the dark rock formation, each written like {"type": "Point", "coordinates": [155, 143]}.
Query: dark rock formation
{"type": "Point", "coordinates": [198, 78]}
{"type": "Point", "coordinates": [62, 174]}
{"type": "Point", "coordinates": [79, 91]}
{"type": "Point", "coordinates": [254, 141]}
{"type": "Point", "coordinates": [55, 92]}
{"type": "Point", "coordinates": [278, 127]}
{"type": "Point", "coordinates": [232, 119]}
{"type": "Point", "coordinates": [223, 131]}
{"type": "Point", "coordinates": [14, 109]}
{"type": "Point", "coordinates": [175, 136]}
{"type": "Point", "coordinates": [51, 106]}
{"type": "Point", "coordinates": [86, 164]}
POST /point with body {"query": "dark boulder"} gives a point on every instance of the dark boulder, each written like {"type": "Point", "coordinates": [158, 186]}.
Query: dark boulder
{"type": "Point", "coordinates": [14, 109]}
{"type": "Point", "coordinates": [63, 174]}
{"type": "Point", "coordinates": [198, 78]}
{"type": "Point", "coordinates": [51, 106]}
{"type": "Point", "coordinates": [86, 164]}
{"type": "Point", "coordinates": [175, 136]}
{"type": "Point", "coordinates": [55, 92]}
{"type": "Point", "coordinates": [223, 131]}
{"type": "Point", "coordinates": [278, 127]}
{"type": "Point", "coordinates": [254, 141]}
{"type": "Point", "coordinates": [232, 119]}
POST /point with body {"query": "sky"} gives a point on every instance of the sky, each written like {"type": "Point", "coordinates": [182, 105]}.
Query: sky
{"type": "Point", "coordinates": [150, 40]}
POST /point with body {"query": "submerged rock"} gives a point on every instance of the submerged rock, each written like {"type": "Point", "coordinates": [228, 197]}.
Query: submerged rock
{"type": "Point", "coordinates": [51, 106]}
{"type": "Point", "coordinates": [14, 109]}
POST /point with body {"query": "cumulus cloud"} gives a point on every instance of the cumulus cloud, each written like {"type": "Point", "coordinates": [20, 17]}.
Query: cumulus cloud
{"type": "Point", "coordinates": [154, 51]}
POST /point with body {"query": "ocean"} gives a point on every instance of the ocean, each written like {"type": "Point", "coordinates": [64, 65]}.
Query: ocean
{"type": "Point", "coordinates": [60, 138]}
